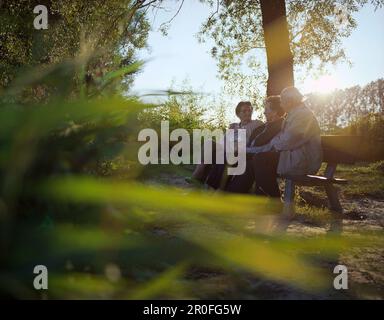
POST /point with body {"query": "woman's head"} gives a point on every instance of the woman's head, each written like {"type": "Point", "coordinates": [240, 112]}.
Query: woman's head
{"type": "Point", "coordinates": [291, 98]}
{"type": "Point", "coordinates": [273, 109]}
{"type": "Point", "coordinates": [244, 111]}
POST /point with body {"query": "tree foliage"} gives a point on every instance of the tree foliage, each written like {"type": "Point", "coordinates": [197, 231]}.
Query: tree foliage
{"type": "Point", "coordinates": [111, 30]}
{"type": "Point", "coordinates": [316, 32]}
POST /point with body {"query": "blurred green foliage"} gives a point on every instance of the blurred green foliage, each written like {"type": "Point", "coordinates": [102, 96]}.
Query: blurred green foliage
{"type": "Point", "coordinates": [65, 124]}
{"type": "Point", "coordinates": [104, 237]}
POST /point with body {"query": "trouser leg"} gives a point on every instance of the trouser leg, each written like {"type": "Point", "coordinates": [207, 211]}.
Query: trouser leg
{"type": "Point", "coordinates": [264, 167]}
{"type": "Point", "coordinates": [203, 170]}
{"type": "Point", "coordinates": [216, 175]}
{"type": "Point", "coordinates": [241, 183]}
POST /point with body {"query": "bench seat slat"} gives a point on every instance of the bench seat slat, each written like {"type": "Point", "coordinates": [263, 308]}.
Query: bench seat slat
{"type": "Point", "coordinates": [312, 180]}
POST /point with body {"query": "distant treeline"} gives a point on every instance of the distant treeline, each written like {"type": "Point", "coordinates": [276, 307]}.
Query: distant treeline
{"type": "Point", "coordinates": [343, 108]}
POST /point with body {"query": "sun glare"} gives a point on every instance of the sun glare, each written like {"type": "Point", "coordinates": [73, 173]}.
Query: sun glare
{"type": "Point", "coordinates": [324, 84]}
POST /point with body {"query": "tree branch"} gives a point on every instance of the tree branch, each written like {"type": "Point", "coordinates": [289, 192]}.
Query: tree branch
{"type": "Point", "coordinates": [177, 12]}
{"type": "Point", "coordinates": [143, 4]}
{"type": "Point", "coordinates": [214, 13]}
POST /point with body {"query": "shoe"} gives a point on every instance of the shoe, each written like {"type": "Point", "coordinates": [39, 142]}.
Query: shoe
{"type": "Point", "coordinates": [194, 181]}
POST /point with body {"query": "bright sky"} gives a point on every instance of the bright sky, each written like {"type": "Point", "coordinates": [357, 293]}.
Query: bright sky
{"type": "Point", "coordinates": [179, 55]}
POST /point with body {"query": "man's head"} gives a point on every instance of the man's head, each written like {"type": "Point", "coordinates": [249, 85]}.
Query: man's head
{"type": "Point", "coordinates": [272, 108]}
{"type": "Point", "coordinates": [290, 98]}
{"type": "Point", "coordinates": [244, 111]}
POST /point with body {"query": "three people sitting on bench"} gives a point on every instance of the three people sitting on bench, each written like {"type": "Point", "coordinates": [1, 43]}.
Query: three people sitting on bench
{"type": "Point", "coordinates": [282, 146]}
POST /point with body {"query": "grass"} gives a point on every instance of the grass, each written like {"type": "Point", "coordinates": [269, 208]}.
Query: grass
{"type": "Point", "coordinates": [366, 179]}
{"type": "Point", "coordinates": [366, 183]}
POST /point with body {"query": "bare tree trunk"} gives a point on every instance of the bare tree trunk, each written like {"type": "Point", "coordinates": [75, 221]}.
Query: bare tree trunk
{"type": "Point", "coordinates": [276, 37]}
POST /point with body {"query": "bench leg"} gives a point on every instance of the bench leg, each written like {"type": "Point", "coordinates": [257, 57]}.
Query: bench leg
{"type": "Point", "coordinates": [289, 206]}
{"type": "Point", "coordinates": [289, 198]}
{"type": "Point", "coordinates": [335, 207]}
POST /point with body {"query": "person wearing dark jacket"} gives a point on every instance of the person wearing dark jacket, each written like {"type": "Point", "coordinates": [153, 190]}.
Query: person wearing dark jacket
{"type": "Point", "coordinates": [265, 179]}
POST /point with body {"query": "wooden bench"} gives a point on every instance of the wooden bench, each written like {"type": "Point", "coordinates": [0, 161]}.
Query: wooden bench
{"type": "Point", "coordinates": [336, 150]}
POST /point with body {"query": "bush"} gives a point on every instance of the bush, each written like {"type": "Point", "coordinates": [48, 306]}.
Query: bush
{"type": "Point", "coordinates": [184, 109]}
{"type": "Point", "coordinates": [371, 127]}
